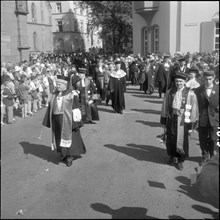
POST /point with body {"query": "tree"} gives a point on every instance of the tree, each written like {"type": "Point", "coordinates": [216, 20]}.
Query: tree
{"type": "Point", "coordinates": [115, 20]}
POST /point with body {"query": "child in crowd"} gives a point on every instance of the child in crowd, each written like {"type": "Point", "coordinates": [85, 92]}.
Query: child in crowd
{"type": "Point", "coordinates": [2, 104]}
{"type": "Point", "coordinates": [33, 90]}
{"type": "Point", "coordinates": [39, 91]}
{"type": "Point", "coordinates": [8, 100]}
{"type": "Point", "coordinates": [23, 90]}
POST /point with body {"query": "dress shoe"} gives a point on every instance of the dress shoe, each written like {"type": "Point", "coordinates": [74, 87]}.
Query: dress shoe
{"type": "Point", "coordinates": [69, 161]}
{"type": "Point", "coordinates": [179, 166]}
{"type": "Point", "coordinates": [204, 160]}
{"type": "Point", "coordinates": [170, 160]}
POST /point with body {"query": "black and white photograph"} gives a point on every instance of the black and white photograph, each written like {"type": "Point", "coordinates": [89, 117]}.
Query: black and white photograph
{"type": "Point", "coordinates": [109, 109]}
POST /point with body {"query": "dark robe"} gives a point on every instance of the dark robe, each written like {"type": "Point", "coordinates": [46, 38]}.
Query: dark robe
{"type": "Point", "coordinates": [86, 95]}
{"type": "Point", "coordinates": [162, 77]}
{"type": "Point", "coordinates": [117, 86]}
{"type": "Point", "coordinates": [56, 123]}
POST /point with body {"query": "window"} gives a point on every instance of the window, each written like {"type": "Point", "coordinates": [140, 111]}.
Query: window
{"type": "Point", "coordinates": [58, 8]}
{"type": "Point", "coordinates": [145, 41]}
{"type": "Point", "coordinates": [60, 26]}
{"type": "Point", "coordinates": [81, 26]}
{"type": "Point", "coordinates": [33, 12]}
{"type": "Point", "coordinates": [76, 25]}
{"type": "Point", "coordinates": [216, 36]}
{"type": "Point", "coordinates": [61, 44]}
{"type": "Point", "coordinates": [35, 40]}
{"type": "Point", "coordinates": [156, 39]}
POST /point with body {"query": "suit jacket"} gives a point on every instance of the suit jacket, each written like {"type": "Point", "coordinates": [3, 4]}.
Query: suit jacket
{"type": "Point", "coordinates": [208, 106]}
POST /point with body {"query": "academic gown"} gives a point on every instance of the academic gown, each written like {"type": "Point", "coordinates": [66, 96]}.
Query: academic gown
{"type": "Point", "coordinates": [66, 141]}
{"type": "Point", "coordinates": [176, 124]}
{"type": "Point", "coordinates": [117, 85]}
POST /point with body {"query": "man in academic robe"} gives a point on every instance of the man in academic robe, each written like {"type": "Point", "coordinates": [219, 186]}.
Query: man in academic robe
{"type": "Point", "coordinates": [117, 86]}
{"type": "Point", "coordinates": [208, 100]}
{"type": "Point", "coordinates": [59, 117]}
{"type": "Point", "coordinates": [179, 112]}
{"type": "Point", "coordinates": [162, 76]}
{"type": "Point", "coordinates": [87, 90]}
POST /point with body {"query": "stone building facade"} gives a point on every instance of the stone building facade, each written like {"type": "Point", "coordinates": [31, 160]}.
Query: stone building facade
{"type": "Point", "coordinates": [70, 28]}
{"type": "Point", "coordinates": [26, 26]}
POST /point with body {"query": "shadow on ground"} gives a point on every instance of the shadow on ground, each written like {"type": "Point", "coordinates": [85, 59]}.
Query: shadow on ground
{"type": "Point", "coordinates": [41, 151]}
{"type": "Point", "coordinates": [106, 110]}
{"type": "Point", "coordinates": [141, 152]}
{"type": "Point", "coordinates": [147, 111]}
{"type": "Point", "coordinates": [191, 191]}
{"type": "Point", "coordinates": [160, 101]}
{"type": "Point", "coordinates": [123, 212]}
{"type": "Point", "coordinates": [150, 123]}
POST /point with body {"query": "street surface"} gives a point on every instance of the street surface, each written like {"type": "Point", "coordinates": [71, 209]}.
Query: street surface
{"type": "Point", "coordinates": [122, 175]}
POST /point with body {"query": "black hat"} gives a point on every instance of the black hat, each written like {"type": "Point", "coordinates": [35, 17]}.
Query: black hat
{"type": "Point", "coordinates": [180, 75]}
{"type": "Point", "coordinates": [209, 73]}
{"type": "Point", "coordinates": [75, 79]}
{"type": "Point", "coordinates": [62, 79]}
{"type": "Point", "coordinates": [142, 65]}
{"type": "Point", "coordinates": [182, 59]}
{"type": "Point", "coordinates": [82, 70]}
{"type": "Point", "coordinates": [192, 70]}
{"type": "Point", "coordinates": [166, 56]}
{"type": "Point", "coordinates": [117, 61]}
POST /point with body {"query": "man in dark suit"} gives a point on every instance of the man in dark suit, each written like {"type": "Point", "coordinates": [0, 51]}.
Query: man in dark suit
{"type": "Point", "coordinates": [208, 101]}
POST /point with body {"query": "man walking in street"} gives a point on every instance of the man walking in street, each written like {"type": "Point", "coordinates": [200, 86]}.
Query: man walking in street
{"type": "Point", "coordinates": [179, 111]}
{"type": "Point", "coordinates": [208, 101]}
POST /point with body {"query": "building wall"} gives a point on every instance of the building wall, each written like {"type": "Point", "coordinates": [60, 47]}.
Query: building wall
{"type": "Point", "coordinates": [42, 27]}
{"type": "Point", "coordinates": [138, 23]}
{"type": "Point", "coordinates": [9, 33]}
{"type": "Point", "coordinates": [162, 18]}
{"type": "Point", "coordinates": [191, 23]}
{"type": "Point", "coordinates": [69, 39]}
{"type": "Point", "coordinates": [183, 26]}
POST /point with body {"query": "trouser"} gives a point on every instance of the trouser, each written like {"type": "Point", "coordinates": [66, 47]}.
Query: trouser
{"type": "Point", "coordinates": [9, 114]}
{"type": "Point", "coordinates": [24, 110]}
{"type": "Point", "coordinates": [207, 140]}
{"type": "Point", "coordinates": [29, 106]}
{"type": "Point", "coordinates": [39, 100]}
{"type": "Point", "coordinates": [2, 112]}
{"type": "Point", "coordinates": [35, 105]}
{"type": "Point", "coordinates": [160, 89]}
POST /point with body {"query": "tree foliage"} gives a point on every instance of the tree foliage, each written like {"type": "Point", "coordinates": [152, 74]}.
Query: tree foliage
{"type": "Point", "coordinates": [115, 20]}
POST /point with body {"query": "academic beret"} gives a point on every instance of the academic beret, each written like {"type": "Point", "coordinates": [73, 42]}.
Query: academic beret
{"type": "Point", "coordinates": [62, 79]}
{"type": "Point", "coordinates": [82, 70]}
{"type": "Point", "coordinates": [192, 70]}
{"type": "Point", "coordinates": [180, 75]}
{"type": "Point", "coordinates": [182, 59]}
{"type": "Point", "coordinates": [209, 73]}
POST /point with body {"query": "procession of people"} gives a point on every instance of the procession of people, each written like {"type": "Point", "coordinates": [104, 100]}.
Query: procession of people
{"type": "Point", "coordinates": [71, 86]}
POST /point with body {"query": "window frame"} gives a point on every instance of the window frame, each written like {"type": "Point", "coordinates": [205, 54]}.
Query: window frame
{"type": "Point", "coordinates": [156, 39]}
{"type": "Point", "coordinates": [33, 13]}
{"type": "Point", "coordinates": [35, 40]}
{"type": "Point", "coordinates": [146, 40]}
{"type": "Point", "coordinates": [59, 25]}
{"type": "Point", "coordinates": [216, 42]}
{"type": "Point", "coordinates": [58, 7]}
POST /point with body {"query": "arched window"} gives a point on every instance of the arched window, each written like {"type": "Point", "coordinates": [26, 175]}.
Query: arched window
{"type": "Point", "coordinates": [35, 40]}
{"type": "Point", "coordinates": [156, 39]}
{"type": "Point", "coordinates": [216, 40]}
{"type": "Point", "coordinates": [61, 44]}
{"type": "Point", "coordinates": [145, 41]}
{"type": "Point", "coordinates": [33, 12]}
